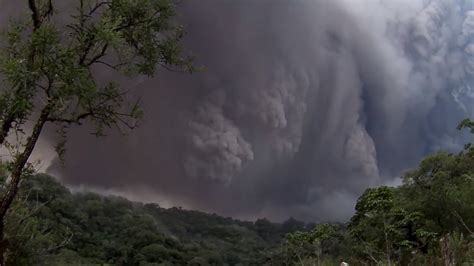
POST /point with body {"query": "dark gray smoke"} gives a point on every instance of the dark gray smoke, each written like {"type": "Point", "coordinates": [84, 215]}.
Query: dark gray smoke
{"type": "Point", "coordinates": [302, 105]}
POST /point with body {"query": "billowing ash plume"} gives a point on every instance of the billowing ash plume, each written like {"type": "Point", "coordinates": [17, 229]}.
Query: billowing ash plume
{"type": "Point", "coordinates": [218, 148]}
{"type": "Point", "coordinates": [302, 105]}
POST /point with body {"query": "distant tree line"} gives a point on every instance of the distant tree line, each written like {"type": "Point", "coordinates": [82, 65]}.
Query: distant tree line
{"type": "Point", "coordinates": [49, 225]}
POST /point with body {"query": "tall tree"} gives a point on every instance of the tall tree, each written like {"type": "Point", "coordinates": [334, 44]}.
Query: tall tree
{"type": "Point", "coordinates": [47, 70]}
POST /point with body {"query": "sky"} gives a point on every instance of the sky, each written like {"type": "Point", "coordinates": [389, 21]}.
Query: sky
{"type": "Point", "coordinates": [301, 105]}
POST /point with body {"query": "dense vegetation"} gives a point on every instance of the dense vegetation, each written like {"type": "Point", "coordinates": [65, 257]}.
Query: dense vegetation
{"type": "Point", "coordinates": [50, 58]}
{"type": "Point", "coordinates": [429, 220]}
{"type": "Point", "coordinates": [426, 221]}
{"type": "Point", "coordinates": [52, 226]}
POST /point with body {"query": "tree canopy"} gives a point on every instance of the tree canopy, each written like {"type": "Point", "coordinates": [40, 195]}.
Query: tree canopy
{"type": "Point", "coordinates": [49, 62]}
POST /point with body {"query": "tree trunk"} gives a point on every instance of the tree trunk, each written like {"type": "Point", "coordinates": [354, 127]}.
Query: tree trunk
{"type": "Point", "coordinates": [6, 125]}
{"type": "Point", "coordinates": [387, 243]}
{"type": "Point", "coordinates": [447, 251]}
{"type": "Point", "coordinates": [16, 175]}
{"type": "Point", "coordinates": [22, 159]}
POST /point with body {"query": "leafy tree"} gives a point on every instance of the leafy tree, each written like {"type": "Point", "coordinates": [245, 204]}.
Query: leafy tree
{"type": "Point", "coordinates": [428, 220]}
{"type": "Point", "coordinates": [48, 76]}
{"type": "Point", "coordinates": [372, 219]}
{"type": "Point", "coordinates": [315, 247]}
{"type": "Point", "coordinates": [386, 229]}
{"type": "Point", "coordinates": [442, 188]}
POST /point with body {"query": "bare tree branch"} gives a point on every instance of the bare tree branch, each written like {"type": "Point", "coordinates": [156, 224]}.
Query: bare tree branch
{"type": "Point", "coordinates": [461, 221]}
{"type": "Point", "coordinates": [114, 67]}
{"type": "Point", "coordinates": [138, 23]}
{"type": "Point", "coordinates": [97, 6]}
{"type": "Point", "coordinates": [99, 55]}
{"type": "Point", "coordinates": [62, 244]}
{"type": "Point", "coordinates": [75, 120]}
{"type": "Point", "coordinates": [35, 16]}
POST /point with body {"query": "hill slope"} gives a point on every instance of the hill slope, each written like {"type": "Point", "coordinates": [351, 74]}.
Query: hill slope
{"type": "Point", "coordinates": [92, 229]}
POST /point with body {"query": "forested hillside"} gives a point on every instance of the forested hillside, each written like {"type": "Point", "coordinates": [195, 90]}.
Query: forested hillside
{"type": "Point", "coordinates": [429, 220]}
{"type": "Point", "coordinates": [426, 221]}
{"type": "Point", "coordinates": [52, 226]}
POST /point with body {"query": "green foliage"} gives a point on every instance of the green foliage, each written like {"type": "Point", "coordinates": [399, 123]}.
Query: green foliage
{"type": "Point", "coordinates": [323, 244]}
{"type": "Point", "coordinates": [384, 229]}
{"type": "Point", "coordinates": [410, 223]}
{"type": "Point", "coordinates": [442, 188]}
{"type": "Point", "coordinates": [132, 37]}
{"type": "Point", "coordinates": [426, 221]}
{"type": "Point", "coordinates": [61, 228]}
{"type": "Point", "coordinates": [49, 72]}
{"type": "Point", "coordinates": [466, 123]}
